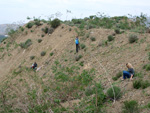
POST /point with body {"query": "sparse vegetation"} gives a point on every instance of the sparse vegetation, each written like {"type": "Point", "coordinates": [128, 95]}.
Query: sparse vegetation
{"type": "Point", "coordinates": [117, 92]}
{"type": "Point", "coordinates": [118, 75]}
{"type": "Point", "coordinates": [29, 25]}
{"type": "Point", "coordinates": [45, 30]}
{"type": "Point", "coordinates": [133, 38]}
{"type": "Point", "coordinates": [137, 84]}
{"type": "Point", "coordinates": [32, 57]}
{"type": "Point", "coordinates": [65, 81]}
{"type": "Point", "coordinates": [39, 40]}
{"type": "Point", "coordinates": [78, 57]}
{"type": "Point", "coordinates": [93, 39]}
{"type": "Point", "coordinates": [26, 44]}
{"type": "Point", "coordinates": [51, 54]}
{"type": "Point", "coordinates": [117, 31]}
{"type": "Point", "coordinates": [141, 84]}
{"type": "Point", "coordinates": [81, 63]}
{"type": "Point", "coordinates": [130, 107]}
{"type": "Point", "coordinates": [110, 38]}
{"type": "Point", "coordinates": [82, 46]}
{"type": "Point", "coordinates": [55, 23]}
{"type": "Point", "coordinates": [43, 53]}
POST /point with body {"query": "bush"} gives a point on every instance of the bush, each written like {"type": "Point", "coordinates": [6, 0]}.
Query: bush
{"type": "Point", "coordinates": [132, 38]}
{"type": "Point", "coordinates": [43, 53]}
{"type": "Point", "coordinates": [51, 54]}
{"type": "Point", "coordinates": [147, 67]}
{"type": "Point", "coordinates": [145, 84]}
{"type": "Point", "coordinates": [89, 91]}
{"type": "Point", "coordinates": [77, 58]}
{"type": "Point", "coordinates": [50, 30]}
{"type": "Point", "coordinates": [117, 31]}
{"type": "Point", "coordinates": [55, 23]}
{"type": "Point", "coordinates": [82, 46]}
{"type": "Point", "coordinates": [118, 75]}
{"type": "Point", "coordinates": [149, 56]}
{"type": "Point", "coordinates": [130, 107]}
{"type": "Point", "coordinates": [42, 35]}
{"type": "Point", "coordinates": [117, 92]}
{"type": "Point", "coordinates": [137, 84]}
{"type": "Point", "coordinates": [32, 57]}
{"type": "Point", "coordinates": [93, 39]}
{"type": "Point", "coordinates": [45, 30]}
{"type": "Point", "coordinates": [110, 38]}
{"type": "Point", "coordinates": [26, 44]}
{"type": "Point", "coordinates": [29, 25]}
{"type": "Point", "coordinates": [70, 29]}
{"type": "Point", "coordinates": [37, 22]}
{"type": "Point", "coordinates": [39, 40]}
{"type": "Point", "coordinates": [81, 63]}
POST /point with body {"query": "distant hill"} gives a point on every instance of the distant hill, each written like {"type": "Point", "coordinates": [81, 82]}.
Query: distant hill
{"type": "Point", "coordinates": [4, 28]}
{"type": "Point", "coordinates": [2, 37]}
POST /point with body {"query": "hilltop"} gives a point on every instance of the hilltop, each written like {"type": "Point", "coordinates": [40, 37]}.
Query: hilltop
{"type": "Point", "coordinates": [67, 81]}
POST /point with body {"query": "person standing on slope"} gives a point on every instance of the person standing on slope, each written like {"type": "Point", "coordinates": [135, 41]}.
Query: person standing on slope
{"type": "Point", "coordinates": [77, 44]}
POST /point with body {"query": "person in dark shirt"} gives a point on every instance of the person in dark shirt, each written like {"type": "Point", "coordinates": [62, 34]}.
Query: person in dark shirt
{"type": "Point", "coordinates": [34, 66]}
{"type": "Point", "coordinates": [129, 73]}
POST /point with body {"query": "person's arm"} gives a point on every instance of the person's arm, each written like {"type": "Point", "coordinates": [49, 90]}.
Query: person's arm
{"type": "Point", "coordinates": [131, 77]}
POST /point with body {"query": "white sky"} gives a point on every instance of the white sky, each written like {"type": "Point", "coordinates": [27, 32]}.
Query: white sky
{"type": "Point", "coordinates": [18, 10]}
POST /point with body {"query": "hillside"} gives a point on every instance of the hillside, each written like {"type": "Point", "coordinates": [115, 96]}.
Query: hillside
{"type": "Point", "coordinates": [67, 81]}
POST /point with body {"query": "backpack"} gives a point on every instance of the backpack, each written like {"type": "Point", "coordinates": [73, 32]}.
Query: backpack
{"type": "Point", "coordinates": [77, 41]}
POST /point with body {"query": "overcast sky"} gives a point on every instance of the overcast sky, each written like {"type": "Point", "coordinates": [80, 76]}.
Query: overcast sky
{"type": "Point", "coordinates": [18, 10]}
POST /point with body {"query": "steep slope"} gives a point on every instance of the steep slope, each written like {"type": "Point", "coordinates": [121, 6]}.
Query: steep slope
{"type": "Point", "coordinates": [31, 91]}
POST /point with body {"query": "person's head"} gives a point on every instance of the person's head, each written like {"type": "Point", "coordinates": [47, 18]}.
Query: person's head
{"type": "Point", "coordinates": [76, 36]}
{"type": "Point", "coordinates": [129, 65]}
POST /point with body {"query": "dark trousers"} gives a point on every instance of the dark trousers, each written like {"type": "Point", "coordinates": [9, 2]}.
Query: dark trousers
{"type": "Point", "coordinates": [126, 74]}
{"type": "Point", "coordinates": [77, 47]}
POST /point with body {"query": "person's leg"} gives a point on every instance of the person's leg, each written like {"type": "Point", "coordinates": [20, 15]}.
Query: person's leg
{"type": "Point", "coordinates": [77, 48]}
{"type": "Point", "coordinates": [126, 74]}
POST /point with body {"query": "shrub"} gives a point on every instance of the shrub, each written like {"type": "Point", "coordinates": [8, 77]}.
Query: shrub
{"type": "Point", "coordinates": [82, 46]}
{"type": "Point", "coordinates": [45, 30]}
{"type": "Point", "coordinates": [118, 75]}
{"type": "Point", "coordinates": [50, 30]}
{"type": "Point", "coordinates": [117, 31]}
{"type": "Point", "coordinates": [149, 56]}
{"type": "Point", "coordinates": [55, 23]}
{"type": "Point", "coordinates": [39, 40]}
{"type": "Point", "coordinates": [88, 35]}
{"type": "Point", "coordinates": [137, 84]}
{"type": "Point", "coordinates": [147, 67]}
{"type": "Point", "coordinates": [29, 25]}
{"type": "Point", "coordinates": [51, 54]}
{"type": "Point", "coordinates": [110, 38]}
{"type": "Point", "coordinates": [32, 31]}
{"type": "Point", "coordinates": [117, 92]}
{"type": "Point", "coordinates": [26, 44]}
{"type": "Point", "coordinates": [70, 29]}
{"type": "Point", "coordinates": [43, 53]}
{"type": "Point", "coordinates": [132, 38]}
{"type": "Point", "coordinates": [145, 84]}
{"type": "Point", "coordinates": [77, 58]}
{"type": "Point", "coordinates": [32, 57]}
{"type": "Point", "coordinates": [21, 28]}
{"type": "Point", "coordinates": [42, 35]}
{"type": "Point", "coordinates": [130, 107]}
{"type": "Point", "coordinates": [89, 91]}
{"type": "Point", "coordinates": [93, 39]}
{"type": "Point", "coordinates": [81, 63]}
{"type": "Point", "coordinates": [37, 22]}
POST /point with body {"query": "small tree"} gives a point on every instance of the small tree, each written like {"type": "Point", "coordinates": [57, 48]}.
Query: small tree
{"type": "Point", "coordinates": [55, 23]}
